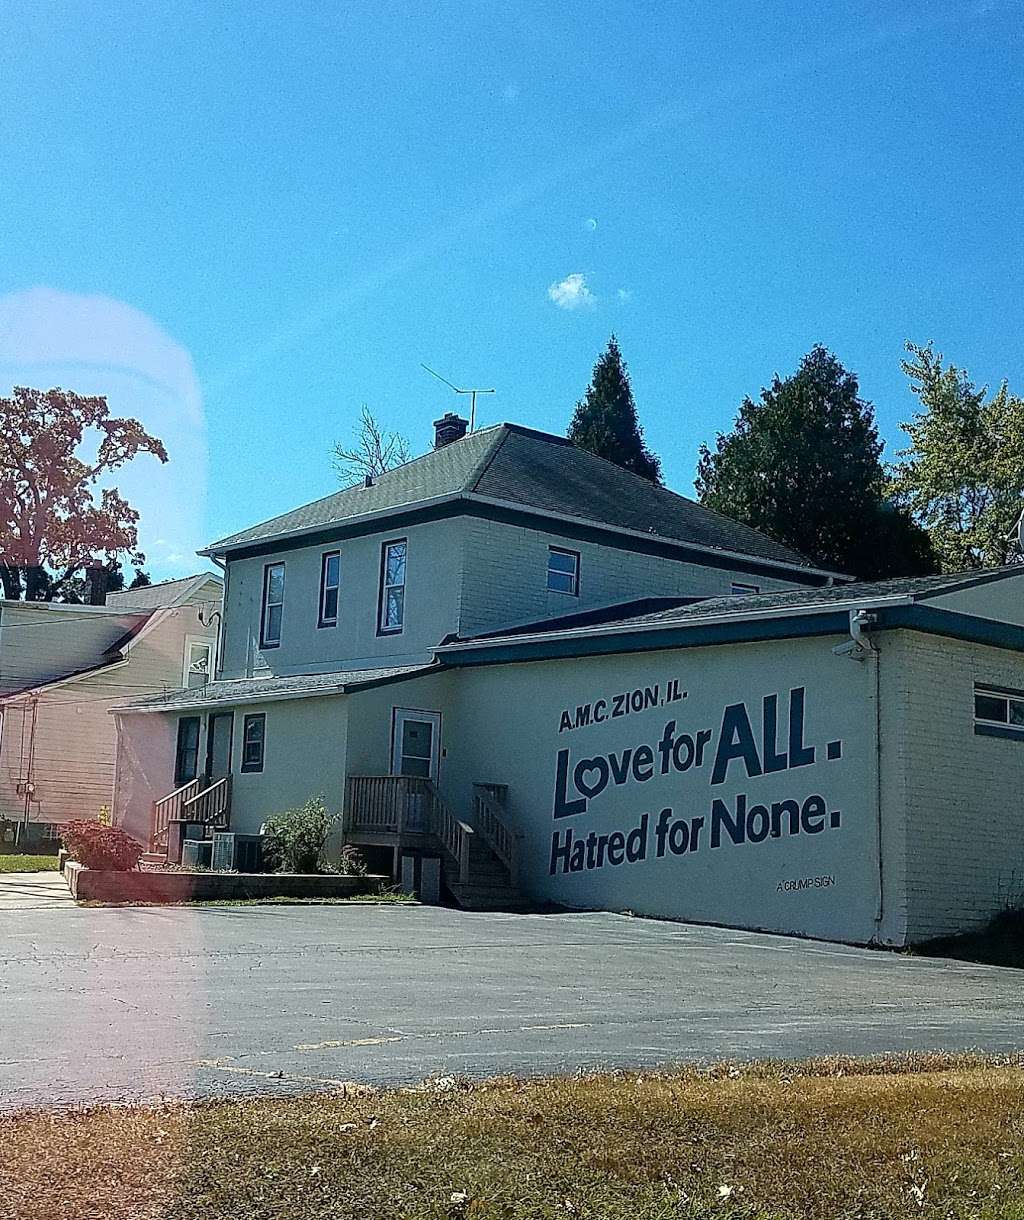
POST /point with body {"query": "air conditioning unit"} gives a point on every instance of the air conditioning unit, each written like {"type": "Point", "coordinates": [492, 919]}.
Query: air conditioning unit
{"type": "Point", "coordinates": [223, 853]}
{"type": "Point", "coordinates": [196, 853]}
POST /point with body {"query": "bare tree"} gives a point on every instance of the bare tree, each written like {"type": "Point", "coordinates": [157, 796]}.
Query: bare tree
{"type": "Point", "coordinates": [375, 450]}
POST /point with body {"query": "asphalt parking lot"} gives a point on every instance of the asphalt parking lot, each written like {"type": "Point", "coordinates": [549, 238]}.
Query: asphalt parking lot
{"type": "Point", "coordinates": [133, 1003]}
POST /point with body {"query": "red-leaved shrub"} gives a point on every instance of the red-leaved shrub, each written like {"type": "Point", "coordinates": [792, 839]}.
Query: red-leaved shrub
{"type": "Point", "coordinates": [103, 847]}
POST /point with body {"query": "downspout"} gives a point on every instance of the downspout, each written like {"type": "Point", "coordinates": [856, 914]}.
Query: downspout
{"type": "Point", "coordinates": [859, 647]}
{"type": "Point", "coordinates": [218, 669]}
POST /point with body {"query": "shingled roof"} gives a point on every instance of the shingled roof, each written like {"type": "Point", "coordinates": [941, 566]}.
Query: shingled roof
{"type": "Point", "coordinates": [533, 471]}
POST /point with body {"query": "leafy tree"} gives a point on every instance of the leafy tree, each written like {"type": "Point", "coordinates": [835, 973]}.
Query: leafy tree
{"type": "Point", "coordinates": [77, 589]}
{"type": "Point", "coordinates": [375, 451]}
{"type": "Point", "coordinates": [803, 464]}
{"type": "Point", "coordinates": [962, 476]}
{"type": "Point", "coordinates": [51, 524]}
{"type": "Point", "coordinates": [605, 420]}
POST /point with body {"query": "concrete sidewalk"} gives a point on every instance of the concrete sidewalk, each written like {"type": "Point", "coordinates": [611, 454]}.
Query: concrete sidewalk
{"type": "Point", "coordinates": [34, 892]}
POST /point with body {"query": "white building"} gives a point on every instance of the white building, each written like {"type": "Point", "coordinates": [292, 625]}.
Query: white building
{"type": "Point", "coordinates": [560, 680]}
{"type": "Point", "coordinates": [63, 667]}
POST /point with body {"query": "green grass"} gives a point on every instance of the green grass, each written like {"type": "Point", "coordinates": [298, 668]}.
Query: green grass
{"type": "Point", "coordinates": [928, 1136]}
{"type": "Point", "coordinates": [28, 864]}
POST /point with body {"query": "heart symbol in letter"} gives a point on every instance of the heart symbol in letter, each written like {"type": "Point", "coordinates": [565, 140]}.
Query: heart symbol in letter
{"type": "Point", "coordinates": [584, 768]}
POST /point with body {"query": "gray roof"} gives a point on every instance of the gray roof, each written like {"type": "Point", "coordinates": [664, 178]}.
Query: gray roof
{"type": "Point", "coordinates": [163, 593]}
{"type": "Point", "coordinates": [827, 597]}
{"type": "Point", "coordinates": [256, 690]}
{"type": "Point", "coordinates": [532, 470]}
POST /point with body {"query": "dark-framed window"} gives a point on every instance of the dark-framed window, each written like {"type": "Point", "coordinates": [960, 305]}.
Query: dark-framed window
{"type": "Point", "coordinates": [998, 712]}
{"type": "Point", "coordinates": [739, 589]}
{"type": "Point", "coordinates": [330, 588]}
{"type": "Point", "coordinates": [273, 605]}
{"type": "Point", "coordinates": [186, 754]}
{"type": "Point", "coordinates": [391, 598]}
{"type": "Point", "coordinates": [563, 571]}
{"type": "Point", "coordinates": [254, 737]}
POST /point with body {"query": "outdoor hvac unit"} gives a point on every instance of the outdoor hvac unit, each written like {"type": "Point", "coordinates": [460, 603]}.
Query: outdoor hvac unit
{"type": "Point", "coordinates": [223, 854]}
{"type": "Point", "coordinates": [195, 853]}
{"type": "Point", "coordinates": [249, 853]}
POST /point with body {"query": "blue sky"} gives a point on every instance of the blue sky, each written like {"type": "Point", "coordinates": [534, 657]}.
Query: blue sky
{"type": "Point", "coordinates": [262, 216]}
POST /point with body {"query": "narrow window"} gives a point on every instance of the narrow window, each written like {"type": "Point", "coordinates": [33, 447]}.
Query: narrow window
{"type": "Point", "coordinates": [330, 583]}
{"type": "Point", "coordinates": [998, 713]}
{"type": "Point", "coordinates": [273, 605]}
{"type": "Point", "coordinates": [737, 589]}
{"type": "Point", "coordinates": [563, 571]}
{"type": "Point", "coordinates": [254, 732]}
{"type": "Point", "coordinates": [186, 756]}
{"type": "Point", "coordinates": [392, 587]}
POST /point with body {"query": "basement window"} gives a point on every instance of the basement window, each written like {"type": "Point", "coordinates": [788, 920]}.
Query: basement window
{"type": "Point", "coordinates": [738, 589]}
{"type": "Point", "coordinates": [998, 712]}
{"type": "Point", "coordinates": [563, 571]}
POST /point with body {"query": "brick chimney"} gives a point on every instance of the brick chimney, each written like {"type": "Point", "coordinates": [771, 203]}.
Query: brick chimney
{"type": "Point", "coordinates": [448, 428]}
{"type": "Point", "coordinates": [97, 576]}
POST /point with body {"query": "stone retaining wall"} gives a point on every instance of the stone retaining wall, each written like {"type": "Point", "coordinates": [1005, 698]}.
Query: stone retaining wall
{"type": "Point", "coordinates": [94, 885]}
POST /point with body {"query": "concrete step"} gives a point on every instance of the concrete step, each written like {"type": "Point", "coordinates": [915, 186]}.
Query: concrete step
{"type": "Point", "coordinates": [473, 897]}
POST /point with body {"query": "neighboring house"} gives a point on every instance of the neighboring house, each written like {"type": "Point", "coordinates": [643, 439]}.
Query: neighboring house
{"type": "Point", "coordinates": [63, 667]}
{"type": "Point", "coordinates": [516, 665]}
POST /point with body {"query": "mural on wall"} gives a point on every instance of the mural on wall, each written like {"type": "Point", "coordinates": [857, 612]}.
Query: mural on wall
{"type": "Point", "coordinates": [742, 791]}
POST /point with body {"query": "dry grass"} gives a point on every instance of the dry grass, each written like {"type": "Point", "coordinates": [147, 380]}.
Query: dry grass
{"type": "Point", "coordinates": [926, 1137]}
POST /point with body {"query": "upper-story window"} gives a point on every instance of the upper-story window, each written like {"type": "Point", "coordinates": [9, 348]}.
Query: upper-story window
{"type": "Point", "coordinates": [563, 571]}
{"type": "Point", "coordinates": [999, 712]}
{"type": "Point", "coordinates": [330, 585]}
{"type": "Point", "coordinates": [273, 605]}
{"type": "Point", "coordinates": [738, 589]}
{"type": "Point", "coordinates": [198, 662]}
{"type": "Point", "coordinates": [391, 615]}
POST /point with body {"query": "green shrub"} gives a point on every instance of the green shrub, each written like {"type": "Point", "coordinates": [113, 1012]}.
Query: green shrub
{"type": "Point", "coordinates": [295, 840]}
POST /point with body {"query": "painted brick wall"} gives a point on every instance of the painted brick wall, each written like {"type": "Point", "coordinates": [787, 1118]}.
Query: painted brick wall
{"type": "Point", "coordinates": [504, 579]}
{"type": "Point", "coordinates": [963, 794]}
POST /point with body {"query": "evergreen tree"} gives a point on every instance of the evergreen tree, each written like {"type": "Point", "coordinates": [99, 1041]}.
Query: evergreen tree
{"type": "Point", "coordinates": [605, 420]}
{"type": "Point", "coordinates": [803, 465]}
{"type": "Point", "coordinates": [962, 476]}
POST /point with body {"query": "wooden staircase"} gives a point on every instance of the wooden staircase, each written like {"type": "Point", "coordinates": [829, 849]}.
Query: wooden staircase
{"type": "Point", "coordinates": [479, 863]}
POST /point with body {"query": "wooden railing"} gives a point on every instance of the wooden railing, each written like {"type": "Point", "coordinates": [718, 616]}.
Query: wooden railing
{"type": "Point", "coordinates": [168, 807]}
{"type": "Point", "coordinates": [490, 817]}
{"type": "Point", "coordinates": [212, 806]}
{"type": "Point", "coordinates": [405, 804]}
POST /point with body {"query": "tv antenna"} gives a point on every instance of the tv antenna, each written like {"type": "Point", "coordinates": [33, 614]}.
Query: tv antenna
{"type": "Point", "coordinates": [472, 394]}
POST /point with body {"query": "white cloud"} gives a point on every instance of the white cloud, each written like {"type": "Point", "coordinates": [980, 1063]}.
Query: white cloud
{"type": "Point", "coordinates": [98, 345]}
{"type": "Point", "coordinates": [625, 294]}
{"type": "Point", "coordinates": [572, 292]}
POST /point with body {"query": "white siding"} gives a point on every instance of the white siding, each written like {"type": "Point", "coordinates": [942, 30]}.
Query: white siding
{"type": "Point", "coordinates": [431, 605]}
{"type": "Point", "coordinates": [62, 740]}
{"type": "Point", "coordinates": [505, 577]}
{"type": "Point", "coordinates": [963, 794]}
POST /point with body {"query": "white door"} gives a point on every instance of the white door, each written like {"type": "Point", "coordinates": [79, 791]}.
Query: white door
{"type": "Point", "coordinates": [415, 743]}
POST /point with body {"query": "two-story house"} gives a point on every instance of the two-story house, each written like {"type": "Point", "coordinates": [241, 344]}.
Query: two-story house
{"type": "Point", "coordinates": [63, 667]}
{"type": "Point", "coordinates": [486, 532]}
{"type": "Point", "coordinates": [515, 667]}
